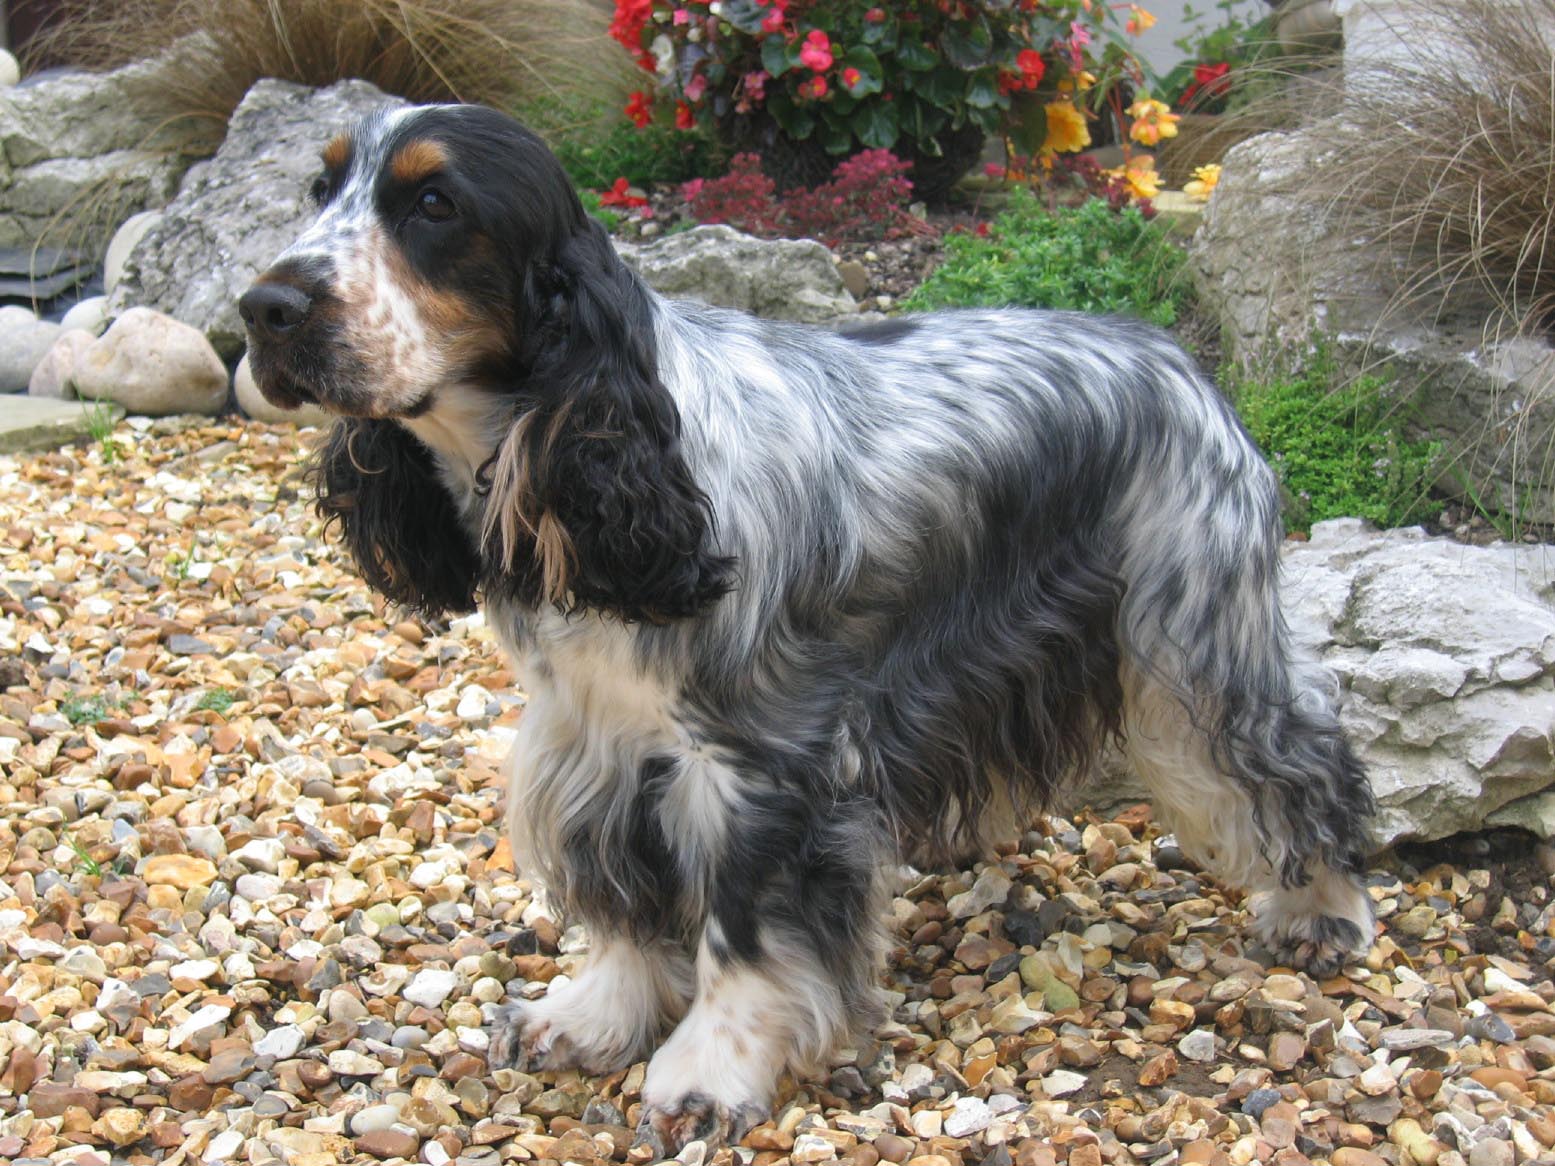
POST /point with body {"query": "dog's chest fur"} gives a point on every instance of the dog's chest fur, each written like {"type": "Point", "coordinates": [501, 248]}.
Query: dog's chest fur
{"type": "Point", "coordinates": [604, 759]}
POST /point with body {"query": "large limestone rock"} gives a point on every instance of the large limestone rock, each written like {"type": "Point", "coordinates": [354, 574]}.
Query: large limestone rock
{"type": "Point", "coordinates": [77, 150]}
{"type": "Point", "coordinates": [55, 375]}
{"type": "Point", "coordinates": [153, 365]}
{"type": "Point", "coordinates": [236, 212]}
{"type": "Point", "coordinates": [1445, 656]}
{"type": "Point", "coordinates": [782, 279]}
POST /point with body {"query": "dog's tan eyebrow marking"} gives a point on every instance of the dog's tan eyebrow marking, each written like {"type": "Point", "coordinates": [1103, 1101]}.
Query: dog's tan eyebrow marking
{"type": "Point", "coordinates": [417, 160]}
{"type": "Point", "coordinates": [338, 152]}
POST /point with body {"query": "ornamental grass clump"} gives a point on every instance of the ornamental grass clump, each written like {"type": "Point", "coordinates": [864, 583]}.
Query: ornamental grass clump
{"type": "Point", "coordinates": [1444, 158]}
{"type": "Point", "coordinates": [500, 52]}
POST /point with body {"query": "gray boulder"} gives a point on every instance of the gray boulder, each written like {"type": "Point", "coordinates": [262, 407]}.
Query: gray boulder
{"type": "Point", "coordinates": [154, 365]}
{"type": "Point", "coordinates": [77, 150]}
{"type": "Point", "coordinates": [1445, 656]}
{"type": "Point", "coordinates": [24, 339]}
{"type": "Point", "coordinates": [236, 212]}
{"type": "Point", "coordinates": [781, 279]}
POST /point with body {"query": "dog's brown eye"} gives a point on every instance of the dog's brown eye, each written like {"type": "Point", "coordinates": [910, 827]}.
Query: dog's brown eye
{"type": "Point", "coordinates": [435, 205]}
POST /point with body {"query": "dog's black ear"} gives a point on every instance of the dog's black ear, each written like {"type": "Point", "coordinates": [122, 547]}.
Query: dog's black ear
{"type": "Point", "coordinates": [590, 488]}
{"type": "Point", "coordinates": [381, 486]}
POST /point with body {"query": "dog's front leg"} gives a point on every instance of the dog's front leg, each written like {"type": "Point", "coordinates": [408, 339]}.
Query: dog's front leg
{"type": "Point", "coordinates": [786, 968]}
{"type": "Point", "coordinates": [605, 1019]}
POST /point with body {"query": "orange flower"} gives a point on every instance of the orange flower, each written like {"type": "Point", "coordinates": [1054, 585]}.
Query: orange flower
{"type": "Point", "coordinates": [1153, 120]}
{"type": "Point", "coordinates": [1139, 176]}
{"type": "Point", "coordinates": [1203, 183]}
{"type": "Point", "coordinates": [1067, 132]}
{"type": "Point", "coordinates": [1138, 20]}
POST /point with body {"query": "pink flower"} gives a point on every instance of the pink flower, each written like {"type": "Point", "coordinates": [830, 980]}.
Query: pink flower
{"type": "Point", "coordinates": [696, 88]}
{"type": "Point", "coordinates": [851, 77]}
{"type": "Point", "coordinates": [816, 53]}
{"type": "Point", "coordinates": [773, 20]}
{"type": "Point", "coordinates": [681, 16]}
{"type": "Point", "coordinates": [814, 88]}
{"type": "Point", "coordinates": [756, 84]}
{"type": "Point", "coordinates": [875, 15]}
{"type": "Point", "coordinates": [684, 118]}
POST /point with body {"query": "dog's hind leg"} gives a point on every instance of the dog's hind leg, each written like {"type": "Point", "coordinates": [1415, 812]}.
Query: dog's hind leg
{"type": "Point", "coordinates": [1238, 741]}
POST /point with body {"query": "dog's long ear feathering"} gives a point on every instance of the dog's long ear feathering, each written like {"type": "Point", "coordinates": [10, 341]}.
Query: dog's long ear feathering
{"type": "Point", "coordinates": [590, 491]}
{"type": "Point", "coordinates": [380, 484]}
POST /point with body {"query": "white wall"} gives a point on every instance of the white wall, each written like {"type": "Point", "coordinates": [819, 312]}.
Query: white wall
{"type": "Point", "coordinates": [1156, 47]}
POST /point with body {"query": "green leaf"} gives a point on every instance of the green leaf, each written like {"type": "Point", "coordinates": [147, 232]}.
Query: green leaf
{"type": "Point", "coordinates": [745, 15]}
{"type": "Point", "coordinates": [982, 89]}
{"type": "Point", "coordinates": [834, 137]}
{"type": "Point", "coordinates": [880, 34]}
{"type": "Point", "coordinates": [1027, 123]}
{"type": "Point", "coordinates": [944, 87]}
{"type": "Point", "coordinates": [915, 56]}
{"type": "Point", "coordinates": [870, 72]}
{"type": "Point", "coordinates": [777, 55]}
{"type": "Point", "coordinates": [875, 124]}
{"type": "Point", "coordinates": [795, 121]}
{"type": "Point", "coordinates": [968, 44]}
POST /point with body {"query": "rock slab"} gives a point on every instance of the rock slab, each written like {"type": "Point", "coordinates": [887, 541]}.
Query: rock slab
{"type": "Point", "coordinates": [35, 423]}
{"type": "Point", "coordinates": [1445, 657]}
{"type": "Point", "coordinates": [781, 279]}
{"type": "Point", "coordinates": [236, 212]}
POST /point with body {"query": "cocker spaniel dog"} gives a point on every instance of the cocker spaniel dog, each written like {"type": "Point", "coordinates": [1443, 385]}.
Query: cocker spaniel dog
{"type": "Point", "coordinates": [790, 605]}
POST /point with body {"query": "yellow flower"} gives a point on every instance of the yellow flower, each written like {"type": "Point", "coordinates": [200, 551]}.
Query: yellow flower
{"type": "Point", "coordinates": [1153, 120]}
{"type": "Point", "coordinates": [1082, 80]}
{"type": "Point", "coordinates": [1138, 20]}
{"type": "Point", "coordinates": [1066, 129]}
{"type": "Point", "coordinates": [1203, 182]}
{"type": "Point", "coordinates": [1139, 175]}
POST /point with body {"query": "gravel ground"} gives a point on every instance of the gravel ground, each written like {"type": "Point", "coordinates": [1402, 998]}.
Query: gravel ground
{"type": "Point", "coordinates": [255, 905]}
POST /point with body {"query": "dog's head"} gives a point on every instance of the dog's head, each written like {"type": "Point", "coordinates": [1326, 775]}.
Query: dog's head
{"type": "Point", "coordinates": [436, 227]}
{"type": "Point", "coordinates": [451, 252]}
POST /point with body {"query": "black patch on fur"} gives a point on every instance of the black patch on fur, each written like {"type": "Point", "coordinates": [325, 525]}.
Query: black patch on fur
{"type": "Point", "coordinates": [604, 453]}
{"type": "Point", "coordinates": [381, 486]}
{"type": "Point", "coordinates": [881, 331]}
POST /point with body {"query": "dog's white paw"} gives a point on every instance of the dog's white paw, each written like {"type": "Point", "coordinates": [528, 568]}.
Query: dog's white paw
{"type": "Point", "coordinates": [1320, 927]}
{"type": "Point", "coordinates": [668, 1126]}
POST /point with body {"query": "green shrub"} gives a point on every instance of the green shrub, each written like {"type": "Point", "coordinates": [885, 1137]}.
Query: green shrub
{"type": "Point", "coordinates": [1337, 448]}
{"type": "Point", "coordinates": [1086, 258]}
{"type": "Point", "coordinates": [83, 710]}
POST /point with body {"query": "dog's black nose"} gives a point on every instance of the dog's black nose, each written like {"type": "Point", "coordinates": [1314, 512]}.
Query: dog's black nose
{"type": "Point", "coordinates": [271, 310]}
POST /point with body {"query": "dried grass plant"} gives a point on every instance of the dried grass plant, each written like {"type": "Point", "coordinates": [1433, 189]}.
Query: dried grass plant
{"type": "Point", "coordinates": [505, 53]}
{"type": "Point", "coordinates": [1441, 156]}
